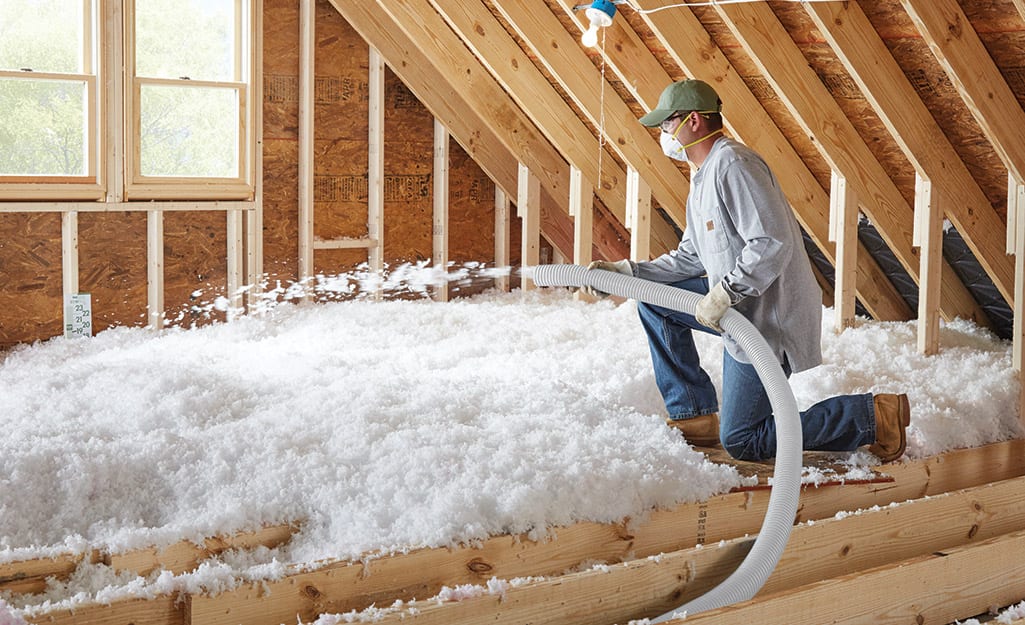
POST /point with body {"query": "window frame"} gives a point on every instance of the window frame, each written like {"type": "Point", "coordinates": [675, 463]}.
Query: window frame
{"type": "Point", "coordinates": [240, 187]}
{"type": "Point", "coordinates": [91, 185]}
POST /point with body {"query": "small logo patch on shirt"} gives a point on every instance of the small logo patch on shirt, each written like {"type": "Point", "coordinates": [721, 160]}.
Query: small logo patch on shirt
{"type": "Point", "coordinates": [709, 225]}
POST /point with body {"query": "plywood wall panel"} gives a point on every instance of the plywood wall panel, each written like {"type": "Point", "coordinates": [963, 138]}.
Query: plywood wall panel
{"type": "Point", "coordinates": [112, 267]}
{"type": "Point", "coordinates": [195, 266]}
{"type": "Point", "coordinates": [31, 299]}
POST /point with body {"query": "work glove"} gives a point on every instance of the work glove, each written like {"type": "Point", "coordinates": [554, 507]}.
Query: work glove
{"type": "Point", "coordinates": [712, 307]}
{"type": "Point", "coordinates": [619, 266]}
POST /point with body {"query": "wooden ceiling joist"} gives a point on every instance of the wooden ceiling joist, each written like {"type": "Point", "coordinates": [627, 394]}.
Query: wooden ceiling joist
{"type": "Point", "coordinates": [481, 139]}
{"type": "Point", "coordinates": [482, 33]}
{"type": "Point", "coordinates": [779, 59]}
{"type": "Point", "coordinates": [692, 49]}
{"type": "Point", "coordinates": [561, 55]}
{"type": "Point", "coordinates": [869, 63]}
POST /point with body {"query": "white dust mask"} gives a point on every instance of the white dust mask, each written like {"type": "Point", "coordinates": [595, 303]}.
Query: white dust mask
{"type": "Point", "coordinates": [672, 147]}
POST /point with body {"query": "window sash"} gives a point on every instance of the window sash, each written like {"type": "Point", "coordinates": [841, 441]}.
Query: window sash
{"type": "Point", "coordinates": [57, 187]}
{"type": "Point", "coordinates": [241, 186]}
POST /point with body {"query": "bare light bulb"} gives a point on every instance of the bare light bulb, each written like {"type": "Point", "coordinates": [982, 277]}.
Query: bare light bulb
{"type": "Point", "coordinates": [598, 19]}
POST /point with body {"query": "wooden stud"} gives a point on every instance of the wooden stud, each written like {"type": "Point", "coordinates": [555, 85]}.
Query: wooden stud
{"type": "Point", "coordinates": [870, 64]}
{"type": "Point", "coordinates": [69, 253]}
{"type": "Point", "coordinates": [112, 100]}
{"type": "Point", "coordinates": [501, 237]}
{"type": "Point", "coordinates": [528, 208]}
{"type": "Point", "coordinates": [516, 73]}
{"type": "Point", "coordinates": [581, 208]}
{"type": "Point", "coordinates": [638, 211]}
{"type": "Point", "coordinates": [687, 42]}
{"type": "Point", "coordinates": [440, 237]}
{"type": "Point", "coordinates": [1016, 232]}
{"type": "Point", "coordinates": [307, 44]}
{"type": "Point", "coordinates": [155, 268]}
{"type": "Point", "coordinates": [254, 218]}
{"type": "Point", "coordinates": [779, 59]}
{"type": "Point", "coordinates": [929, 237]}
{"type": "Point", "coordinates": [843, 221]}
{"type": "Point", "coordinates": [236, 263]}
{"type": "Point", "coordinates": [375, 167]}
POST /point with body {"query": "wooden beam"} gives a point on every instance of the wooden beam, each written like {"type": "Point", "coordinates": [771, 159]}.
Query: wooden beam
{"type": "Point", "coordinates": [581, 208]}
{"type": "Point", "coordinates": [942, 587]}
{"type": "Point", "coordinates": [155, 269]}
{"type": "Point", "coordinates": [236, 262]}
{"type": "Point", "coordinates": [511, 68]}
{"type": "Point", "coordinates": [109, 207]}
{"type": "Point", "coordinates": [440, 222]}
{"type": "Point", "coordinates": [832, 549]}
{"type": "Point", "coordinates": [692, 49]}
{"type": "Point", "coordinates": [638, 211]}
{"type": "Point", "coordinates": [69, 254]}
{"type": "Point", "coordinates": [484, 129]}
{"type": "Point", "coordinates": [928, 235]}
{"type": "Point", "coordinates": [501, 237]}
{"type": "Point", "coordinates": [375, 164]}
{"type": "Point", "coordinates": [1016, 236]}
{"type": "Point", "coordinates": [779, 59]}
{"type": "Point", "coordinates": [307, 44]}
{"type": "Point", "coordinates": [254, 218]}
{"type": "Point", "coordinates": [843, 229]}
{"type": "Point", "coordinates": [528, 209]}
{"type": "Point", "coordinates": [561, 55]}
{"type": "Point", "coordinates": [971, 70]}
{"type": "Point", "coordinates": [870, 64]}
{"type": "Point", "coordinates": [344, 586]}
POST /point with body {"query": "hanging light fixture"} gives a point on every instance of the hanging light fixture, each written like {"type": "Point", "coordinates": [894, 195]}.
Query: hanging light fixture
{"type": "Point", "coordinates": [600, 14]}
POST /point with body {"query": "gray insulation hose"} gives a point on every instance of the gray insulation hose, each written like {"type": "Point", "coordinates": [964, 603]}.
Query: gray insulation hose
{"type": "Point", "coordinates": [750, 576]}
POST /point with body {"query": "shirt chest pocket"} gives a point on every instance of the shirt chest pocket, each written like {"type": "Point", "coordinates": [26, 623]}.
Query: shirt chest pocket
{"type": "Point", "coordinates": [713, 234]}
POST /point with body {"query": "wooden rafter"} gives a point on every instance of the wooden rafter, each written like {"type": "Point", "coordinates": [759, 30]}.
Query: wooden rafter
{"type": "Point", "coordinates": [569, 66]}
{"type": "Point", "coordinates": [971, 70]}
{"type": "Point", "coordinates": [469, 126]}
{"type": "Point", "coordinates": [869, 63]}
{"type": "Point", "coordinates": [692, 49]}
{"type": "Point", "coordinates": [498, 52]}
{"type": "Point", "coordinates": [779, 59]}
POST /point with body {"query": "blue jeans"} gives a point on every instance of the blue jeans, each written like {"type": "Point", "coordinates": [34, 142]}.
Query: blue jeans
{"type": "Point", "coordinates": [746, 426]}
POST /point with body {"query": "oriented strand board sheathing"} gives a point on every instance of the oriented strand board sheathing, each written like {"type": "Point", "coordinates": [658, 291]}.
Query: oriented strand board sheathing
{"type": "Point", "coordinates": [30, 277]}
{"type": "Point", "coordinates": [913, 55]}
{"type": "Point", "coordinates": [195, 266]}
{"type": "Point", "coordinates": [112, 267]}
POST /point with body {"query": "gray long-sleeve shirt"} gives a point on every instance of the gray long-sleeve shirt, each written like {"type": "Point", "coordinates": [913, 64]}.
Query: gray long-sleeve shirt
{"type": "Point", "coordinates": [741, 232]}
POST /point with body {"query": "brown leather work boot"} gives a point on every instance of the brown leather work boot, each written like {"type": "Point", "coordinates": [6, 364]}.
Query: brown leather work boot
{"type": "Point", "coordinates": [702, 431]}
{"type": "Point", "coordinates": [893, 414]}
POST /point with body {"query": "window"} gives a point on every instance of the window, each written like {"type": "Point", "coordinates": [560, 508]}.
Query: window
{"type": "Point", "coordinates": [189, 104]}
{"type": "Point", "coordinates": [49, 99]}
{"type": "Point", "coordinates": [185, 129]}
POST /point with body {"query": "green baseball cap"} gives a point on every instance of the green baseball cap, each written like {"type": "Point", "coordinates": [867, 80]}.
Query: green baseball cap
{"type": "Point", "coordinates": [685, 95]}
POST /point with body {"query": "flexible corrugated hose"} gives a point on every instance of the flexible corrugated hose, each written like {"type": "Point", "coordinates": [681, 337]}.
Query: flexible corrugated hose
{"type": "Point", "coordinates": [750, 576]}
